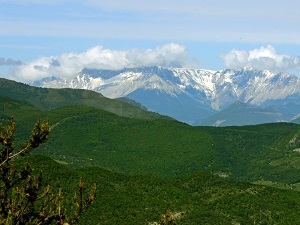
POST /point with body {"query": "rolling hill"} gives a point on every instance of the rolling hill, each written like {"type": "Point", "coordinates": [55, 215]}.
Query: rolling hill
{"type": "Point", "coordinates": [144, 167]}
{"type": "Point", "coordinates": [47, 98]}
{"type": "Point", "coordinates": [193, 198]}
{"type": "Point", "coordinates": [88, 136]}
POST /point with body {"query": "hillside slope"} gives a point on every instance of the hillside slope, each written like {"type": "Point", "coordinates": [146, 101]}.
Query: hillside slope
{"type": "Point", "coordinates": [195, 198]}
{"type": "Point", "coordinates": [89, 137]}
{"type": "Point", "coordinates": [144, 167]}
{"type": "Point", "coordinates": [47, 98]}
{"type": "Point", "coordinates": [86, 136]}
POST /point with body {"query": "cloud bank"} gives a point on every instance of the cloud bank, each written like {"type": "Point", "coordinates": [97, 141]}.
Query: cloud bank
{"type": "Point", "coordinates": [68, 64]}
{"type": "Point", "coordinates": [263, 58]}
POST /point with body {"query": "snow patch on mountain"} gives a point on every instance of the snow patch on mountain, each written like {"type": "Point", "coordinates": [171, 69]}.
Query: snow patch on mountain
{"type": "Point", "coordinates": [207, 90]}
{"type": "Point", "coordinates": [127, 82]}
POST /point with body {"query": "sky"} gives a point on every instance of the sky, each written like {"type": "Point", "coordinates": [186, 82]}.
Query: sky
{"type": "Point", "coordinates": [40, 38]}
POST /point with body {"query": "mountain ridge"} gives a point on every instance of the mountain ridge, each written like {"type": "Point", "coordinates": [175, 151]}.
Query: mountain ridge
{"type": "Point", "coordinates": [205, 92]}
{"type": "Point", "coordinates": [240, 112]}
{"type": "Point", "coordinates": [49, 98]}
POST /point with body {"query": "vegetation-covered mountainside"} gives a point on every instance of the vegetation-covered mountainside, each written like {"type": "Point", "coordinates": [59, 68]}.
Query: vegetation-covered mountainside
{"type": "Point", "coordinates": [47, 98]}
{"type": "Point", "coordinates": [193, 198]}
{"type": "Point", "coordinates": [144, 167]}
{"type": "Point", "coordinates": [88, 136]}
{"type": "Point", "coordinates": [85, 136]}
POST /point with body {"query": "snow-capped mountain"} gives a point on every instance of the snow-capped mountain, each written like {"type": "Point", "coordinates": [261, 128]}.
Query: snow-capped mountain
{"type": "Point", "coordinates": [189, 94]}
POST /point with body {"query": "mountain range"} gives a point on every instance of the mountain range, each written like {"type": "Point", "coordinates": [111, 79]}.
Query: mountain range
{"type": "Point", "coordinates": [196, 96]}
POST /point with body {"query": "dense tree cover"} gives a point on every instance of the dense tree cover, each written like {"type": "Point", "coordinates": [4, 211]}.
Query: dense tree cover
{"type": "Point", "coordinates": [193, 198]}
{"type": "Point", "coordinates": [144, 167]}
{"type": "Point", "coordinates": [164, 147]}
{"type": "Point", "coordinates": [250, 153]}
{"type": "Point", "coordinates": [23, 201]}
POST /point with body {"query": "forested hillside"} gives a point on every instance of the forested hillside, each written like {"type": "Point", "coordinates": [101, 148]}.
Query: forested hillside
{"type": "Point", "coordinates": [144, 166]}
{"type": "Point", "coordinates": [91, 137]}
{"type": "Point", "coordinates": [47, 98]}
{"type": "Point", "coordinates": [193, 198]}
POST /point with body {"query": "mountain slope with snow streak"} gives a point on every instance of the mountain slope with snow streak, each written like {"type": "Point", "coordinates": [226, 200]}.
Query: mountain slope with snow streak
{"type": "Point", "coordinates": [189, 94]}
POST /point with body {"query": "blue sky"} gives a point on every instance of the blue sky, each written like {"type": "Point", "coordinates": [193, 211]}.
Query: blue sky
{"type": "Point", "coordinates": [209, 34]}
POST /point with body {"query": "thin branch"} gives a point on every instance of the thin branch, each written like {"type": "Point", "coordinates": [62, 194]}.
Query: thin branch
{"type": "Point", "coordinates": [16, 155]}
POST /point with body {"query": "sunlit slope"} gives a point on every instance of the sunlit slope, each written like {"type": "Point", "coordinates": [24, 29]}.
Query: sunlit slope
{"type": "Point", "coordinates": [47, 99]}
{"type": "Point", "coordinates": [88, 136]}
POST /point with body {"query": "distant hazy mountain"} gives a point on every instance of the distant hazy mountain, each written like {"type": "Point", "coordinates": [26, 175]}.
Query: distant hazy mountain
{"type": "Point", "coordinates": [296, 120]}
{"type": "Point", "coordinates": [240, 113]}
{"type": "Point", "coordinates": [191, 95]}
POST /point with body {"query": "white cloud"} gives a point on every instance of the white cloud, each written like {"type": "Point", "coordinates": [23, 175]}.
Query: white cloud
{"type": "Point", "coordinates": [263, 58]}
{"type": "Point", "coordinates": [68, 64]}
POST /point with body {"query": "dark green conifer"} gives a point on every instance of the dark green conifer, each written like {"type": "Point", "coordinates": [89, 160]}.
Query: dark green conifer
{"type": "Point", "coordinates": [23, 200]}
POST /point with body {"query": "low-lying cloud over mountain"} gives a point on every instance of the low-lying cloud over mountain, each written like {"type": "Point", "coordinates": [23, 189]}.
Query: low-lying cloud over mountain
{"type": "Point", "coordinates": [170, 55]}
{"type": "Point", "coordinates": [263, 58]}
{"type": "Point", "coordinates": [68, 64]}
